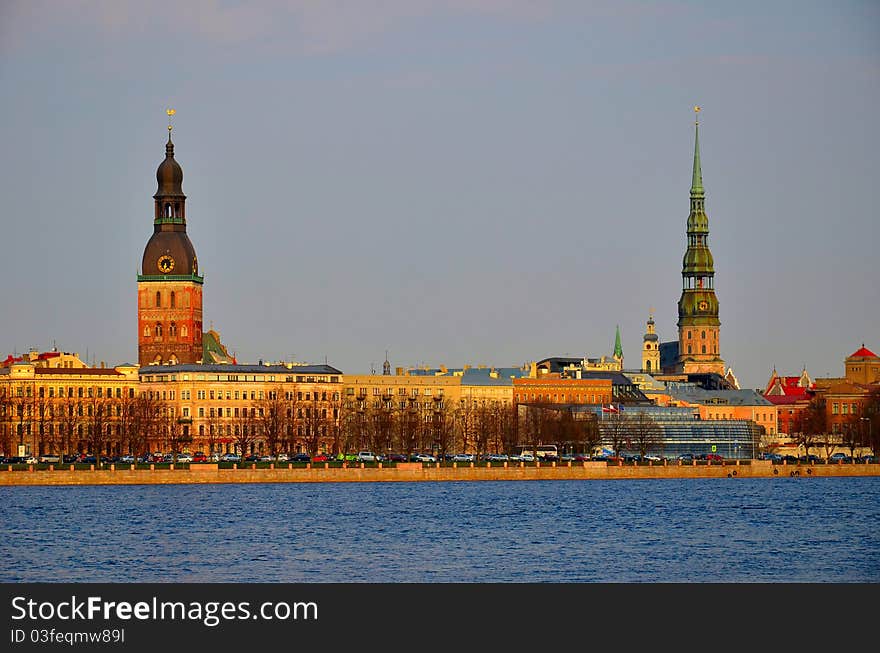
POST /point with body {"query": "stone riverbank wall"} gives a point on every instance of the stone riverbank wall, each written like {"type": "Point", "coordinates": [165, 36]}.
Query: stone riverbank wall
{"type": "Point", "coordinates": [411, 472]}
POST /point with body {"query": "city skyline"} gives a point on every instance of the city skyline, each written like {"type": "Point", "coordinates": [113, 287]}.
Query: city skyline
{"type": "Point", "coordinates": [451, 207]}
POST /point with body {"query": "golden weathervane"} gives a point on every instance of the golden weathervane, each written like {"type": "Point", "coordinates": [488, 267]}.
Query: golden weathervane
{"type": "Point", "coordinates": [170, 113]}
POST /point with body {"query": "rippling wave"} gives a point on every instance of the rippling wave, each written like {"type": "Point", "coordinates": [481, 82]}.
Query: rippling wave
{"type": "Point", "coordinates": [640, 531]}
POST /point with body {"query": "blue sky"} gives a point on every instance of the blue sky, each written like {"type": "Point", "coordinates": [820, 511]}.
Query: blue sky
{"type": "Point", "coordinates": [461, 182]}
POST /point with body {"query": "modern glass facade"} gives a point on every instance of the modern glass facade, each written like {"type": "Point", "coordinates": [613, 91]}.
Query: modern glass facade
{"type": "Point", "coordinates": [682, 431]}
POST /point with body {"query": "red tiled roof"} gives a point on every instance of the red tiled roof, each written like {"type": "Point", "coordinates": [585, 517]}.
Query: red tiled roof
{"type": "Point", "coordinates": [863, 353]}
{"type": "Point", "coordinates": [789, 386]}
{"type": "Point", "coordinates": [787, 400]}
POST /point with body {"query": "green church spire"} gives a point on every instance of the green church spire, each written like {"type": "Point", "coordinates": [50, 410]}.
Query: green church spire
{"type": "Point", "coordinates": [697, 182]}
{"type": "Point", "coordinates": [618, 349]}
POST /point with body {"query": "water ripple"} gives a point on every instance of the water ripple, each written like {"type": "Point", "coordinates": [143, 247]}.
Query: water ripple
{"type": "Point", "coordinates": [688, 530]}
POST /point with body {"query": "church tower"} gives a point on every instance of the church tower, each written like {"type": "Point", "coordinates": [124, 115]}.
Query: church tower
{"type": "Point", "coordinates": [169, 286]}
{"type": "Point", "coordinates": [698, 324]}
{"type": "Point", "coordinates": [651, 348]}
{"type": "Point", "coordinates": [617, 355]}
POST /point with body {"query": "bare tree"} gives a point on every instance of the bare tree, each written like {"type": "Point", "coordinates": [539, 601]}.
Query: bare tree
{"type": "Point", "coordinates": [809, 425]}
{"type": "Point", "coordinates": [68, 415]}
{"type": "Point", "coordinates": [6, 411]}
{"type": "Point", "coordinates": [616, 431]}
{"type": "Point", "coordinates": [409, 424]}
{"type": "Point", "coordinates": [245, 429]}
{"type": "Point", "coordinates": [484, 427]}
{"type": "Point", "coordinates": [536, 425]}
{"type": "Point", "coordinates": [442, 427]}
{"type": "Point", "coordinates": [871, 414]}
{"type": "Point", "coordinates": [42, 418]}
{"type": "Point", "coordinates": [851, 434]}
{"type": "Point", "coordinates": [98, 418]}
{"type": "Point", "coordinates": [147, 422]}
{"type": "Point", "coordinates": [646, 434]}
{"type": "Point", "coordinates": [22, 403]}
{"type": "Point", "coordinates": [272, 414]}
{"type": "Point", "coordinates": [313, 423]}
{"type": "Point", "coordinates": [176, 435]}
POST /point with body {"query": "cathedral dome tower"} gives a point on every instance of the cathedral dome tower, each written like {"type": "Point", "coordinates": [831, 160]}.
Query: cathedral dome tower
{"type": "Point", "coordinates": [169, 286]}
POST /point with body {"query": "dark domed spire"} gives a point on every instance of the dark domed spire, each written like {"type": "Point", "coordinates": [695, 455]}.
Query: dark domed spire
{"type": "Point", "coordinates": [169, 251]}
{"type": "Point", "coordinates": [169, 174]}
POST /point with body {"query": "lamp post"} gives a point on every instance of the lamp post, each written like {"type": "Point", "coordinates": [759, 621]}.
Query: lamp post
{"type": "Point", "coordinates": [870, 434]}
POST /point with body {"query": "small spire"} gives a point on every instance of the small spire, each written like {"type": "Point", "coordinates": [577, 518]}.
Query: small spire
{"type": "Point", "coordinates": [618, 349]}
{"type": "Point", "coordinates": [697, 181]}
{"type": "Point", "coordinates": [170, 113]}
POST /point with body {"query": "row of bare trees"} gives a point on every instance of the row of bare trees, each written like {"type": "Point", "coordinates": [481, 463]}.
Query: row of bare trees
{"type": "Point", "coordinates": [98, 424]}
{"type": "Point", "coordinates": [810, 427]}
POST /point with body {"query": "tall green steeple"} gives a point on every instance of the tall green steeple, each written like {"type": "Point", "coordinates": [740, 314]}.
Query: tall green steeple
{"type": "Point", "coordinates": [697, 182]}
{"type": "Point", "coordinates": [618, 349]}
{"type": "Point", "coordinates": [698, 322]}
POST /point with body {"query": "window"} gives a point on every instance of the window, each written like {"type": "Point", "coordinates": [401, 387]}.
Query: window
{"type": "Point", "coordinates": [146, 332]}
{"type": "Point", "coordinates": [703, 336]}
{"type": "Point", "coordinates": [158, 299]}
{"type": "Point", "coordinates": [172, 303]}
{"type": "Point", "coordinates": [834, 409]}
{"type": "Point", "coordinates": [158, 330]}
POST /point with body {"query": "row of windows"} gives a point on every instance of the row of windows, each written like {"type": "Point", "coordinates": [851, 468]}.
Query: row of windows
{"type": "Point", "coordinates": [172, 300]}
{"type": "Point", "coordinates": [712, 335]}
{"type": "Point", "coordinates": [253, 395]}
{"type": "Point", "coordinates": [70, 392]}
{"type": "Point", "coordinates": [259, 412]}
{"type": "Point", "coordinates": [714, 349]}
{"type": "Point", "coordinates": [562, 398]}
{"type": "Point", "coordinates": [844, 409]}
{"type": "Point", "coordinates": [390, 391]}
{"type": "Point", "coordinates": [172, 331]}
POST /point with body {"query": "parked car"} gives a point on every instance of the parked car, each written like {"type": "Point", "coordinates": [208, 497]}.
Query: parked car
{"type": "Point", "coordinates": [425, 458]}
{"type": "Point", "coordinates": [497, 458]}
{"type": "Point", "coordinates": [810, 459]}
{"type": "Point", "coordinates": [654, 458]}
{"type": "Point", "coordinates": [127, 459]}
{"type": "Point", "coordinates": [301, 458]}
{"type": "Point", "coordinates": [214, 458]}
{"type": "Point", "coordinates": [868, 459]}
{"type": "Point", "coordinates": [50, 458]}
{"type": "Point", "coordinates": [839, 457]}
{"type": "Point", "coordinates": [715, 457]}
{"type": "Point", "coordinates": [366, 457]}
{"type": "Point", "coordinates": [199, 457]}
{"type": "Point", "coordinates": [31, 460]}
{"type": "Point", "coordinates": [230, 458]}
{"type": "Point", "coordinates": [283, 458]}
{"type": "Point", "coordinates": [397, 457]}
{"type": "Point", "coordinates": [462, 458]}
{"type": "Point", "coordinates": [526, 458]}
{"type": "Point", "coordinates": [184, 458]}
{"type": "Point", "coordinates": [322, 458]}
{"type": "Point", "coordinates": [774, 457]}
{"type": "Point", "coordinates": [686, 457]}
{"type": "Point", "coordinates": [252, 458]}
{"type": "Point", "coordinates": [788, 458]}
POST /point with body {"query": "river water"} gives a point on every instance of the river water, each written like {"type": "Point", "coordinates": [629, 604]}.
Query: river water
{"type": "Point", "coordinates": [634, 531]}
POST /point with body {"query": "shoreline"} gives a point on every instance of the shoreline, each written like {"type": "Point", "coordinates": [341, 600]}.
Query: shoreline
{"type": "Point", "coordinates": [415, 472]}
